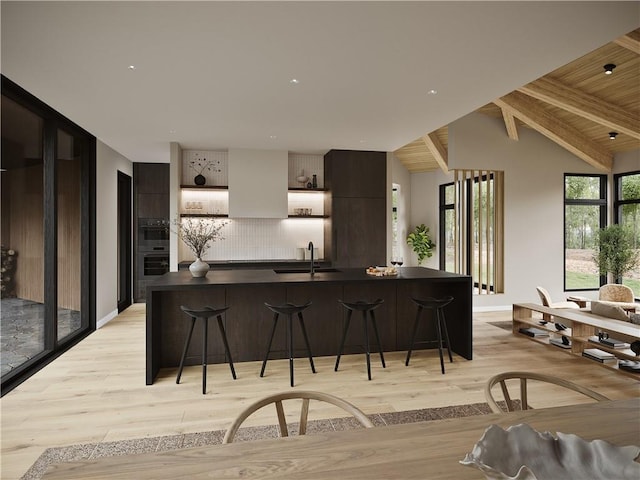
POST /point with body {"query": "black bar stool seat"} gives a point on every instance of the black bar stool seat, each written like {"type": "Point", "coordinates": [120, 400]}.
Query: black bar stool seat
{"type": "Point", "coordinates": [205, 314]}
{"type": "Point", "coordinates": [364, 307]}
{"type": "Point", "coordinates": [437, 305]}
{"type": "Point", "coordinates": [288, 309]}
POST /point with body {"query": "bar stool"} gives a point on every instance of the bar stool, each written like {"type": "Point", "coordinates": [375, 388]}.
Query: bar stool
{"type": "Point", "coordinates": [288, 309]}
{"type": "Point", "coordinates": [364, 307]}
{"type": "Point", "coordinates": [205, 314]}
{"type": "Point", "coordinates": [436, 304]}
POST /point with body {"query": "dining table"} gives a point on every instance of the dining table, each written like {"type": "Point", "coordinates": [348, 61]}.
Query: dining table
{"type": "Point", "coordinates": [422, 450]}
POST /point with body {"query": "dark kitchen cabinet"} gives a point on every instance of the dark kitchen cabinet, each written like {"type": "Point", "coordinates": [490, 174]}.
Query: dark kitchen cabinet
{"type": "Point", "coordinates": [356, 174]}
{"type": "Point", "coordinates": [151, 178]}
{"type": "Point", "coordinates": [355, 233]}
{"type": "Point", "coordinates": [151, 190]}
{"type": "Point", "coordinates": [151, 212]}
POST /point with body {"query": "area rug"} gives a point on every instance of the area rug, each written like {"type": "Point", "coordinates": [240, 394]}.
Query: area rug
{"type": "Point", "coordinates": [175, 442]}
{"type": "Point", "coordinates": [504, 325]}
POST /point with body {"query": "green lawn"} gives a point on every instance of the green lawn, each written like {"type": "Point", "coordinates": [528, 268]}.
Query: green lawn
{"type": "Point", "coordinates": [585, 281]}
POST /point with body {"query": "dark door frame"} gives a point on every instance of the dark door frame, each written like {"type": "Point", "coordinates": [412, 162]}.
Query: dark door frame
{"type": "Point", "coordinates": [125, 273]}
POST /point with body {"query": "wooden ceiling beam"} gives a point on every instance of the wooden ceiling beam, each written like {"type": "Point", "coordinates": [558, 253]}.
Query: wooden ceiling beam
{"type": "Point", "coordinates": [533, 113]}
{"type": "Point", "coordinates": [438, 150]}
{"type": "Point", "coordinates": [630, 41]}
{"type": "Point", "coordinates": [510, 124]}
{"type": "Point", "coordinates": [588, 106]}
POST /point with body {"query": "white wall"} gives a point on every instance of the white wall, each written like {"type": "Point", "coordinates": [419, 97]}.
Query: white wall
{"type": "Point", "coordinates": [398, 174]}
{"type": "Point", "coordinates": [108, 163]}
{"type": "Point", "coordinates": [534, 167]}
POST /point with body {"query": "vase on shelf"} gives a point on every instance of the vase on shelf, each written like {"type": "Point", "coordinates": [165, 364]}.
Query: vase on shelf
{"type": "Point", "coordinates": [200, 179]}
{"type": "Point", "coordinates": [199, 268]}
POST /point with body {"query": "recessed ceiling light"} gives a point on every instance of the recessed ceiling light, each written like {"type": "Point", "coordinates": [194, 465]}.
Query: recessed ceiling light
{"type": "Point", "coordinates": [608, 68]}
{"type": "Point", "coordinates": [432, 92]}
{"type": "Point", "coordinates": [613, 135]}
{"type": "Point", "coordinates": [294, 81]}
{"type": "Point", "coordinates": [273, 137]}
{"type": "Point", "coordinates": [132, 67]}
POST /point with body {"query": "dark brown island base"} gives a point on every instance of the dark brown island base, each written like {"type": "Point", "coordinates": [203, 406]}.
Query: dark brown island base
{"type": "Point", "coordinates": [248, 321]}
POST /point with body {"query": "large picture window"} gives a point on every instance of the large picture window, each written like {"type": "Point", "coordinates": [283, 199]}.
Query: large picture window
{"type": "Point", "coordinates": [627, 212]}
{"type": "Point", "coordinates": [585, 212]}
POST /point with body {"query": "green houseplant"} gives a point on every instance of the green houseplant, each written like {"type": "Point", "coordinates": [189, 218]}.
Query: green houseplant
{"type": "Point", "coordinates": [421, 242]}
{"type": "Point", "coordinates": [614, 251]}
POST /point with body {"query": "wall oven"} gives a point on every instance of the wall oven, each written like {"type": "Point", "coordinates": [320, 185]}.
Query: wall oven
{"type": "Point", "coordinates": [153, 232]}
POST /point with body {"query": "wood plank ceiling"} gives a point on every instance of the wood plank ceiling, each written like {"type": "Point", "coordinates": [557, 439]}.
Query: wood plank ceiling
{"type": "Point", "coordinates": [576, 106]}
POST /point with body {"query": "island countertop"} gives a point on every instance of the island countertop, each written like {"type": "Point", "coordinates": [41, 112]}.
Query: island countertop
{"type": "Point", "coordinates": [184, 279]}
{"type": "Point", "coordinates": [247, 321]}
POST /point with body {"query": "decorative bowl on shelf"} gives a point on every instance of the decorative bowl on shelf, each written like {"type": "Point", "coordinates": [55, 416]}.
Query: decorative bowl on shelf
{"type": "Point", "coordinates": [302, 179]}
{"type": "Point", "coordinates": [522, 453]}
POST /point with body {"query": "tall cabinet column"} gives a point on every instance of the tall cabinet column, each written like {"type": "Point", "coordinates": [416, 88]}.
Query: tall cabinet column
{"type": "Point", "coordinates": [355, 234]}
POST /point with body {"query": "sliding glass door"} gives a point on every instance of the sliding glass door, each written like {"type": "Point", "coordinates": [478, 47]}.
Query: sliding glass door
{"type": "Point", "coordinates": [47, 174]}
{"type": "Point", "coordinates": [22, 305]}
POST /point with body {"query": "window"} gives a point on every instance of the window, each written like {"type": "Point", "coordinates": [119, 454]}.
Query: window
{"type": "Point", "coordinates": [585, 212]}
{"type": "Point", "coordinates": [627, 212]}
{"type": "Point", "coordinates": [472, 228]}
{"type": "Point", "coordinates": [447, 222]}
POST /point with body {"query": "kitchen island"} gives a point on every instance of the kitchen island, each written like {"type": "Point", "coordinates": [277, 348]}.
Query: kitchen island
{"type": "Point", "coordinates": [248, 321]}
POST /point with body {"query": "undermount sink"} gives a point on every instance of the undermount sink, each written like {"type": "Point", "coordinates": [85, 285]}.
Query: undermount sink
{"type": "Point", "coordinates": [305, 270]}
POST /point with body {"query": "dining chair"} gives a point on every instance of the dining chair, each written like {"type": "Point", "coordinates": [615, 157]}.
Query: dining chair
{"type": "Point", "coordinates": [501, 379]}
{"type": "Point", "coordinates": [614, 292]}
{"type": "Point", "coordinates": [278, 399]}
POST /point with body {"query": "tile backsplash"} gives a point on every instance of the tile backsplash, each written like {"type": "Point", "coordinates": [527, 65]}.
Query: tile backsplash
{"type": "Point", "coordinates": [263, 239]}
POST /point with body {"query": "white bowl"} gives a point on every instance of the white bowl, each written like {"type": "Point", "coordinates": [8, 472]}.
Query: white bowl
{"type": "Point", "coordinates": [302, 179]}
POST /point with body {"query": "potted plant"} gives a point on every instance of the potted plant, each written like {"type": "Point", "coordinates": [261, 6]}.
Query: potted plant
{"type": "Point", "coordinates": [615, 252]}
{"type": "Point", "coordinates": [197, 234]}
{"type": "Point", "coordinates": [421, 242]}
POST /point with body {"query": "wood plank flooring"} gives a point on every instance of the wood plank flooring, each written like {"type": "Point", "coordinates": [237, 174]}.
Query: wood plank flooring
{"type": "Point", "coordinates": [96, 391]}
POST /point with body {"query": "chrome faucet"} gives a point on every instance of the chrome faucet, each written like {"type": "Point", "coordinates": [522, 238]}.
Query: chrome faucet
{"type": "Point", "coordinates": [310, 247]}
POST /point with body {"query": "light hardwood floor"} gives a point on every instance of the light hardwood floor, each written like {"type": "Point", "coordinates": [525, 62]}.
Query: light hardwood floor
{"type": "Point", "coordinates": [96, 391]}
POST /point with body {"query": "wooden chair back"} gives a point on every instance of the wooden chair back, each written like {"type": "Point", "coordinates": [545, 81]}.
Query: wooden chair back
{"type": "Point", "coordinates": [305, 396]}
{"type": "Point", "coordinates": [501, 379]}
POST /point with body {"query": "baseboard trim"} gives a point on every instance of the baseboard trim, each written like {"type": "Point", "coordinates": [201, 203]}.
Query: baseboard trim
{"type": "Point", "coordinates": [493, 308]}
{"type": "Point", "coordinates": [106, 319]}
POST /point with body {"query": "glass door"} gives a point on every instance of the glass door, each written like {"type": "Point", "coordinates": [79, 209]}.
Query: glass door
{"type": "Point", "coordinates": [22, 322]}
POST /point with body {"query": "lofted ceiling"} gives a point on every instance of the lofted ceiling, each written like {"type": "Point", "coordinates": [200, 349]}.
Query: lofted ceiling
{"type": "Point", "coordinates": [576, 106]}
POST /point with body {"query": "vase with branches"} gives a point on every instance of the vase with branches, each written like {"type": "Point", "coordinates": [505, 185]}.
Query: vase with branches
{"type": "Point", "coordinates": [198, 234]}
{"type": "Point", "coordinates": [200, 164]}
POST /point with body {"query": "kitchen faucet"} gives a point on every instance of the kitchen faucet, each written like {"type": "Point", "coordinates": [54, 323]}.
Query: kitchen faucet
{"type": "Point", "coordinates": [311, 250]}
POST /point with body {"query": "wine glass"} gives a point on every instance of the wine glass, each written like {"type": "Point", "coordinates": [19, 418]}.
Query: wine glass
{"type": "Point", "coordinates": [399, 261]}
{"type": "Point", "coordinates": [394, 261]}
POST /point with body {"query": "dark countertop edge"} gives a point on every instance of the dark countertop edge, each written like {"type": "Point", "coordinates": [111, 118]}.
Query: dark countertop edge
{"type": "Point", "coordinates": [219, 278]}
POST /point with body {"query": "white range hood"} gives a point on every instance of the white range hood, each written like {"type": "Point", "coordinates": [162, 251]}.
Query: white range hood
{"type": "Point", "coordinates": [258, 183]}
